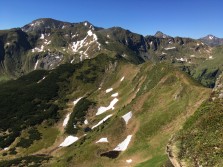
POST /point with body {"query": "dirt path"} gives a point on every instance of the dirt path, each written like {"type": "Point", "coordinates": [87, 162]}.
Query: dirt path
{"type": "Point", "coordinates": [172, 156]}
{"type": "Point", "coordinates": [171, 149]}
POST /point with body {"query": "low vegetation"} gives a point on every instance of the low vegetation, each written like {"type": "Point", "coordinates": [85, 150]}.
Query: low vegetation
{"type": "Point", "coordinates": [33, 160]}
{"type": "Point", "coordinates": [78, 115]}
{"type": "Point", "coordinates": [200, 140]}
{"type": "Point", "coordinates": [27, 142]}
{"type": "Point", "coordinates": [25, 102]}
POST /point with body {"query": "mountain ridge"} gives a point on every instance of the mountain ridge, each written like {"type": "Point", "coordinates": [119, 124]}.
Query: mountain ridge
{"type": "Point", "coordinates": [99, 80]}
{"type": "Point", "coordinates": [50, 44]}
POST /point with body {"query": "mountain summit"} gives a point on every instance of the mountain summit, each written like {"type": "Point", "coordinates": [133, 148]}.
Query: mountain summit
{"type": "Point", "coordinates": [212, 40]}
{"type": "Point", "coordinates": [45, 23]}
{"type": "Point", "coordinates": [160, 34]}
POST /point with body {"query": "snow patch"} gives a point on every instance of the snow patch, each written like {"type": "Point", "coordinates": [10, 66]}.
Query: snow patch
{"type": "Point", "coordinates": [124, 55]}
{"type": "Point", "coordinates": [95, 38]}
{"type": "Point", "coordinates": [102, 140]}
{"type": "Point", "coordinates": [47, 42]}
{"type": "Point", "coordinates": [6, 148]}
{"type": "Point", "coordinates": [129, 161]}
{"type": "Point", "coordinates": [101, 110]}
{"type": "Point", "coordinates": [109, 90]}
{"type": "Point", "coordinates": [36, 64]}
{"type": "Point", "coordinates": [122, 79]}
{"type": "Point", "coordinates": [114, 95]}
{"type": "Point", "coordinates": [66, 120]}
{"type": "Point", "coordinates": [78, 45]}
{"type": "Point", "coordinates": [90, 33]}
{"type": "Point", "coordinates": [38, 49]}
{"type": "Point", "coordinates": [41, 49]}
{"type": "Point", "coordinates": [77, 100]}
{"type": "Point", "coordinates": [170, 48]}
{"type": "Point", "coordinates": [102, 121]}
{"type": "Point", "coordinates": [127, 117]}
{"type": "Point", "coordinates": [99, 46]}
{"type": "Point", "coordinates": [42, 79]}
{"type": "Point", "coordinates": [72, 61]}
{"type": "Point", "coordinates": [68, 115]}
{"type": "Point", "coordinates": [211, 37]}
{"type": "Point", "coordinates": [181, 59]}
{"type": "Point", "coordinates": [91, 27]}
{"type": "Point", "coordinates": [123, 145]}
{"type": "Point", "coordinates": [42, 36]}
{"type": "Point", "coordinates": [85, 121]}
{"type": "Point", "coordinates": [68, 141]}
{"type": "Point", "coordinates": [75, 35]}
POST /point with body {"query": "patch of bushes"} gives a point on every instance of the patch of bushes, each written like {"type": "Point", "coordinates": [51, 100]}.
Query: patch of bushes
{"type": "Point", "coordinates": [201, 137]}
{"type": "Point", "coordinates": [12, 151]}
{"type": "Point", "coordinates": [33, 160]}
{"type": "Point", "coordinates": [78, 114]}
{"type": "Point", "coordinates": [92, 69]}
{"type": "Point", "coordinates": [27, 142]}
{"type": "Point", "coordinates": [25, 103]}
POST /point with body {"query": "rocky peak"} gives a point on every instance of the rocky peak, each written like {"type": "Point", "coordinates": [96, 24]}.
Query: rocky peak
{"type": "Point", "coordinates": [159, 34]}
{"type": "Point", "coordinates": [45, 23]}
{"type": "Point", "coordinates": [210, 37]}
{"type": "Point", "coordinates": [212, 40]}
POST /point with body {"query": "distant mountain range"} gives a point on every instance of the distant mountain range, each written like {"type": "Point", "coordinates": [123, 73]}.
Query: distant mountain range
{"type": "Point", "coordinates": [45, 43]}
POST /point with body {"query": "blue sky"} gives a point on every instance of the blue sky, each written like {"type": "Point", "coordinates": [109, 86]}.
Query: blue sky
{"type": "Point", "coordinates": [187, 18]}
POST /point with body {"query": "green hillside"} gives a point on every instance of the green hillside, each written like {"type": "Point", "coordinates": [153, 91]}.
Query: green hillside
{"type": "Point", "coordinates": [199, 142]}
{"type": "Point", "coordinates": [160, 97]}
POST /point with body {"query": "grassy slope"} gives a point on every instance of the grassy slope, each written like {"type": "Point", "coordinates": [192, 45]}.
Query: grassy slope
{"type": "Point", "coordinates": [165, 100]}
{"type": "Point", "coordinates": [169, 103]}
{"type": "Point", "coordinates": [160, 97]}
{"type": "Point", "coordinates": [50, 91]}
{"type": "Point", "coordinates": [200, 140]}
{"type": "Point", "coordinates": [208, 71]}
